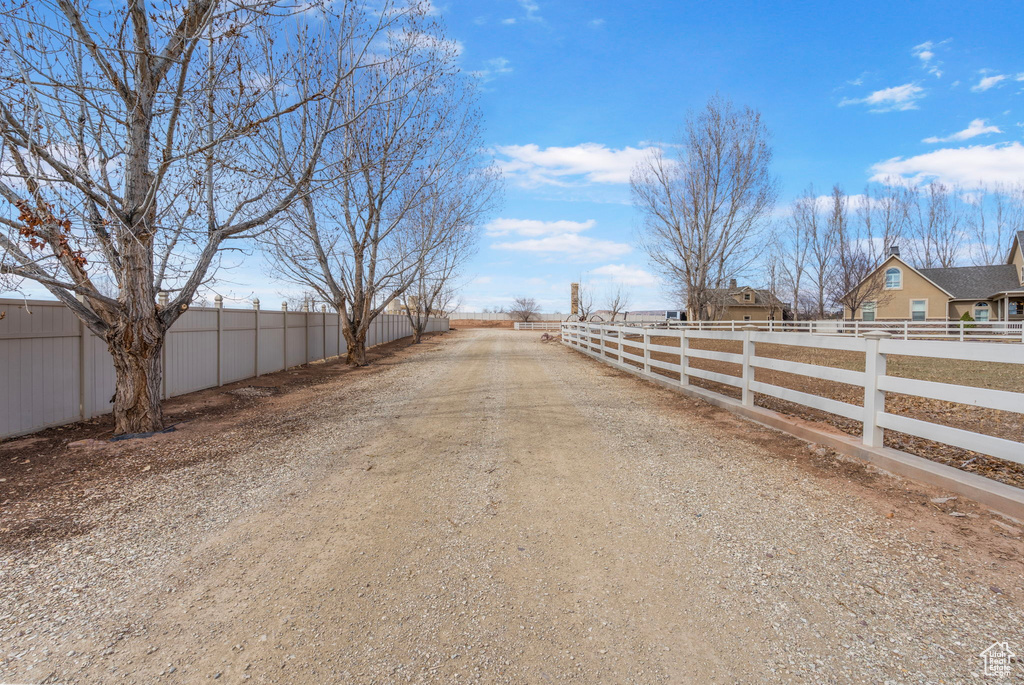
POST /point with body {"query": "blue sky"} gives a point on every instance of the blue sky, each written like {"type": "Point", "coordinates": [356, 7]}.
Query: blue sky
{"type": "Point", "coordinates": [574, 91]}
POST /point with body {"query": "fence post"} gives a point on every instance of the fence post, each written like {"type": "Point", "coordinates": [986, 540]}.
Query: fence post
{"type": "Point", "coordinates": [162, 297]}
{"type": "Point", "coordinates": [218, 302]}
{"type": "Point", "coordinates": [747, 396]}
{"type": "Point", "coordinates": [323, 315]}
{"type": "Point", "coordinates": [305, 315]}
{"type": "Point", "coordinates": [906, 330]}
{"type": "Point", "coordinates": [647, 351]}
{"type": "Point", "coordinates": [83, 332]}
{"type": "Point", "coordinates": [683, 343]}
{"type": "Point", "coordinates": [874, 399]}
{"type": "Point", "coordinates": [284, 335]}
{"type": "Point", "coordinates": [256, 338]}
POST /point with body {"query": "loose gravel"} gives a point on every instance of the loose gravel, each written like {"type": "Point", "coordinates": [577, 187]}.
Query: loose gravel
{"type": "Point", "coordinates": [495, 509]}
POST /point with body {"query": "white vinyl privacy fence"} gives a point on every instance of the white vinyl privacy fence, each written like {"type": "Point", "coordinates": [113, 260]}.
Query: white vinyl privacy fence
{"type": "Point", "coordinates": [53, 370]}
{"type": "Point", "coordinates": [607, 344]}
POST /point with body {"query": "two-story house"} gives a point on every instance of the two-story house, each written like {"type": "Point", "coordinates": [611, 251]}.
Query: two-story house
{"type": "Point", "coordinates": [987, 293]}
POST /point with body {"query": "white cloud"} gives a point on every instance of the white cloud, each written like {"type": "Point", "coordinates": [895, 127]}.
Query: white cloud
{"type": "Point", "coordinates": [595, 23]}
{"type": "Point", "coordinates": [627, 275]}
{"type": "Point", "coordinates": [897, 98]}
{"type": "Point", "coordinates": [509, 21]}
{"type": "Point", "coordinates": [533, 228]}
{"type": "Point", "coordinates": [570, 245]}
{"type": "Point", "coordinates": [556, 238]}
{"type": "Point", "coordinates": [531, 165]}
{"type": "Point", "coordinates": [977, 127]}
{"type": "Point", "coordinates": [987, 82]}
{"type": "Point", "coordinates": [493, 69]}
{"type": "Point", "coordinates": [532, 10]}
{"type": "Point", "coordinates": [926, 53]}
{"type": "Point", "coordinates": [968, 167]}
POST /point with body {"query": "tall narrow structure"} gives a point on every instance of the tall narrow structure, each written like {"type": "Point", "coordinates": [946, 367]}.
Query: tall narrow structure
{"type": "Point", "coordinates": [575, 304]}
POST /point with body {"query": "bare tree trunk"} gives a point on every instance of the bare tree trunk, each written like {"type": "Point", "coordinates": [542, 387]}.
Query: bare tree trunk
{"type": "Point", "coordinates": [135, 347]}
{"type": "Point", "coordinates": [356, 343]}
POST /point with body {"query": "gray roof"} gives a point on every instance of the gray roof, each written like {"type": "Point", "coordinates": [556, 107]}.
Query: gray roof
{"type": "Point", "coordinates": [974, 282]}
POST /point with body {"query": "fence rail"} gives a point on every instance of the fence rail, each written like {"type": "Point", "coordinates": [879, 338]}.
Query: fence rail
{"type": "Point", "coordinates": [53, 370]}
{"type": "Point", "coordinates": [876, 346]}
{"type": "Point", "coordinates": [1007, 331]}
{"type": "Point", "coordinates": [538, 325]}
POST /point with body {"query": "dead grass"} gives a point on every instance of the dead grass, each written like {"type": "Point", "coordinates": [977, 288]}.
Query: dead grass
{"type": "Point", "coordinates": [1009, 377]}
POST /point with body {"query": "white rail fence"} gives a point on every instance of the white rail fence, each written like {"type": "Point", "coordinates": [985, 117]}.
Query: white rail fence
{"type": "Point", "coordinates": [538, 325]}
{"type": "Point", "coordinates": [1009, 331]}
{"type": "Point", "coordinates": [53, 370]}
{"type": "Point", "coordinates": [593, 340]}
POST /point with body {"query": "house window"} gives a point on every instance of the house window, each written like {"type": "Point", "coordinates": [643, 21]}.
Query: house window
{"type": "Point", "coordinates": [918, 310]}
{"type": "Point", "coordinates": [1016, 308]}
{"type": "Point", "coordinates": [893, 279]}
{"type": "Point", "coordinates": [746, 297]}
{"type": "Point", "coordinates": [867, 311]}
{"type": "Point", "coordinates": [746, 318]}
{"type": "Point", "coordinates": [981, 311]}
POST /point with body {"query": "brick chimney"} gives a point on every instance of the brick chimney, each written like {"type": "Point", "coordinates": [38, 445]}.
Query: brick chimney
{"type": "Point", "coordinates": [894, 250]}
{"type": "Point", "coordinates": [575, 303]}
{"type": "Point", "coordinates": [732, 283]}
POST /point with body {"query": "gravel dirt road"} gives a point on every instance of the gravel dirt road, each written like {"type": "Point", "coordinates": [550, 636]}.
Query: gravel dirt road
{"type": "Point", "coordinates": [495, 509]}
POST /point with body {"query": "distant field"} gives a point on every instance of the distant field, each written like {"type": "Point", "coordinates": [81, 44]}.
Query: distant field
{"type": "Point", "coordinates": [1008, 377]}
{"type": "Point", "coordinates": [480, 323]}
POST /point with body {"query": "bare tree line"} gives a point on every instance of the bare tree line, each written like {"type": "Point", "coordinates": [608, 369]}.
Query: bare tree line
{"type": "Point", "coordinates": [829, 245]}
{"type": "Point", "coordinates": [139, 143]}
{"type": "Point", "coordinates": [707, 202]}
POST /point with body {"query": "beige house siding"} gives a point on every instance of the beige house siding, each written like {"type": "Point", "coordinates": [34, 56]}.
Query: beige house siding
{"type": "Point", "coordinates": [737, 312]}
{"type": "Point", "coordinates": [895, 304]}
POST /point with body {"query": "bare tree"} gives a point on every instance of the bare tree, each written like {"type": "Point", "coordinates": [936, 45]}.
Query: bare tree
{"type": "Point", "coordinates": [704, 208]}
{"type": "Point", "coordinates": [936, 226]}
{"type": "Point", "coordinates": [523, 309]}
{"type": "Point", "coordinates": [994, 215]}
{"type": "Point", "coordinates": [130, 153]}
{"type": "Point", "coordinates": [822, 243]}
{"type": "Point", "coordinates": [774, 277]}
{"type": "Point", "coordinates": [410, 125]}
{"type": "Point", "coordinates": [797, 236]}
{"type": "Point", "coordinates": [585, 302]}
{"type": "Point", "coordinates": [883, 213]}
{"type": "Point", "coordinates": [444, 236]}
{"type": "Point", "coordinates": [617, 300]}
{"type": "Point", "coordinates": [854, 281]}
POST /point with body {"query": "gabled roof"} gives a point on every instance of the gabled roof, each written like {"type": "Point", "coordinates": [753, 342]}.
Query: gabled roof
{"type": "Point", "coordinates": [895, 257]}
{"type": "Point", "coordinates": [762, 298]}
{"type": "Point", "coordinates": [1018, 241]}
{"type": "Point", "coordinates": [974, 282]}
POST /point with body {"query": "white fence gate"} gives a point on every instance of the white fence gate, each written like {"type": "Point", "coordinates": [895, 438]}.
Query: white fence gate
{"type": "Point", "coordinates": [53, 370]}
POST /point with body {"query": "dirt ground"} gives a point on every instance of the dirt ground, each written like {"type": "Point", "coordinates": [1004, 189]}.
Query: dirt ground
{"type": "Point", "coordinates": [480, 323]}
{"type": "Point", "coordinates": [490, 508]}
{"type": "Point", "coordinates": [1007, 425]}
